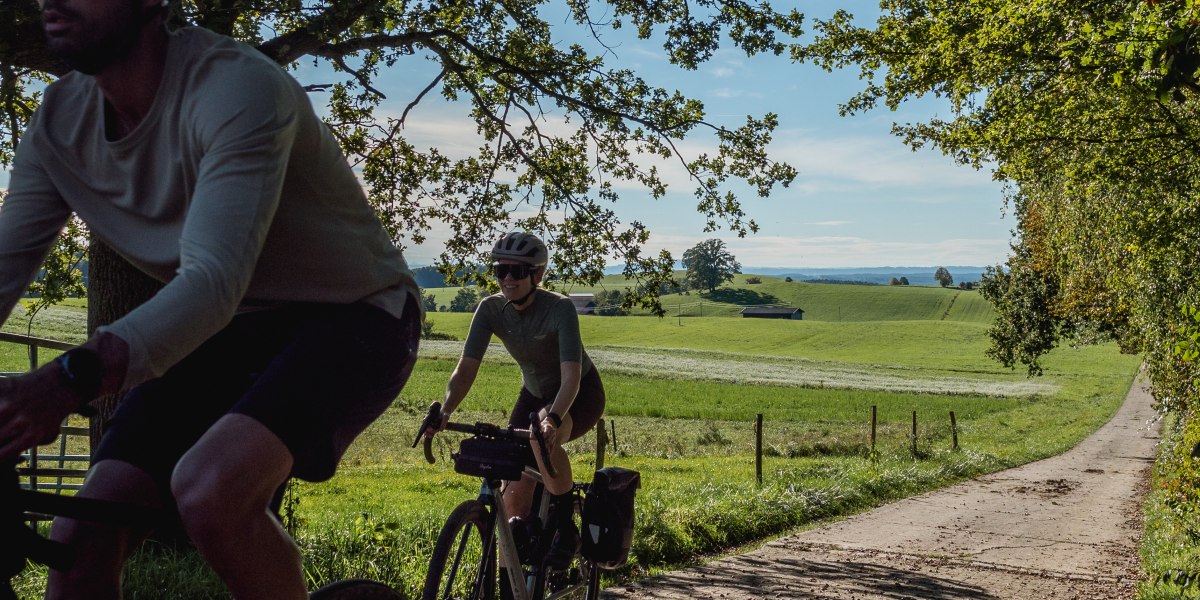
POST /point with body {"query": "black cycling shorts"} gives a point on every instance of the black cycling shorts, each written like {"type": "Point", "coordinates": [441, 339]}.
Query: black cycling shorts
{"type": "Point", "coordinates": [316, 375]}
{"type": "Point", "coordinates": [585, 411]}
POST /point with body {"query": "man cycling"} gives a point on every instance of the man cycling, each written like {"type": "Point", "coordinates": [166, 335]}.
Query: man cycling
{"type": "Point", "coordinates": [540, 329]}
{"type": "Point", "coordinates": [288, 321]}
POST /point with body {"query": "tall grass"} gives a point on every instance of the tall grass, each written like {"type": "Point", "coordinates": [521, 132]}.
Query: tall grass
{"type": "Point", "coordinates": [1170, 550]}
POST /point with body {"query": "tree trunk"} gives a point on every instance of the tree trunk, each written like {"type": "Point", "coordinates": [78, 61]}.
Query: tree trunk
{"type": "Point", "coordinates": [115, 287]}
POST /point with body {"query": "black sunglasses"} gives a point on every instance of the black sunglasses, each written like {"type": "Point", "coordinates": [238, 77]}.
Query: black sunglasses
{"type": "Point", "coordinates": [518, 271]}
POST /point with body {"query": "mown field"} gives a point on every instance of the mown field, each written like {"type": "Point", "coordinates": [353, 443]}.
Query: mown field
{"type": "Point", "coordinates": [683, 396]}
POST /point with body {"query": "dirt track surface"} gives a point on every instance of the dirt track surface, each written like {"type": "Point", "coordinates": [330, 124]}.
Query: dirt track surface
{"type": "Point", "coordinates": [1063, 527]}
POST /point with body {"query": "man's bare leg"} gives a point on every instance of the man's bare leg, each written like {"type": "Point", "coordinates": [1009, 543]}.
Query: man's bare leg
{"type": "Point", "coordinates": [100, 550]}
{"type": "Point", "coordinates": [223, 487]}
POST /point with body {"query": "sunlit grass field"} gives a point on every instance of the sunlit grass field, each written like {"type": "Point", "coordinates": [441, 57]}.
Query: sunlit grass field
{"type": "Point", "coordinates": [683, 394]}
{"type": "Point", "coordinates": [820, 301]}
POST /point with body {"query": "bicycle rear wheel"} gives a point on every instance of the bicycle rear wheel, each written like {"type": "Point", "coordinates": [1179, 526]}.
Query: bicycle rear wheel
{"type": "Point", "coordinates": [355, 589]}
{"type": "Point", "coordinates": [463, 565]}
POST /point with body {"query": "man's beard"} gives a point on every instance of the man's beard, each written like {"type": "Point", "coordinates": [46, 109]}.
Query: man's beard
{"type": "Point", "coordinates": [98, 44]}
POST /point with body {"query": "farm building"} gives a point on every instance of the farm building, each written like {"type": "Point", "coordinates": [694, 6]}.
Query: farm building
{"type": "Point", "coordinates": [755, 312]}
{"type": "Point", "coordinates": [585, 304]}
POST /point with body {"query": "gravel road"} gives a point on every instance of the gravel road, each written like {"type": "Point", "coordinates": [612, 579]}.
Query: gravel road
{"type": "Point", "coordinates": [1063, 527]}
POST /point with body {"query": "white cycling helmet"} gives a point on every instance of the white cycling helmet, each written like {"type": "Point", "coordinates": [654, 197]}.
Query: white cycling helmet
{"type": "Point", "coordinates": [521, 247]}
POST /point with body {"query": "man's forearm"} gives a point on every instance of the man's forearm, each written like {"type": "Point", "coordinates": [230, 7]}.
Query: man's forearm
{"type": "Point", "coordinates": [114, 360]}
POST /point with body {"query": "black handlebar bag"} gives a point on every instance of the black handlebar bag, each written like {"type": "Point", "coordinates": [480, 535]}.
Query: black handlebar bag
{"type": "Point", "coordinates": [608, 516]}
{"type": "Point", "coordinates": [491, 458]}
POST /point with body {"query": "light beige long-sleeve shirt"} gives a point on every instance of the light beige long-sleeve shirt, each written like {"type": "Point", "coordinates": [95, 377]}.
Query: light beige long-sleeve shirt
{"type": "Point", "coordinates": [231, 191]}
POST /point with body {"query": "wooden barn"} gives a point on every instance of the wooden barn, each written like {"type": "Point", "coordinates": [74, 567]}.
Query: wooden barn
{"type": "Point", "coordinates": [585, 304]}
{"type": "Point", "coordinates": [755, 312]}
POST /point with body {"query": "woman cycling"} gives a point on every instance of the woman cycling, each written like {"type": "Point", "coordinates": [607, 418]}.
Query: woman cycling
{"type": "Point", "coordinates": [540, 329]}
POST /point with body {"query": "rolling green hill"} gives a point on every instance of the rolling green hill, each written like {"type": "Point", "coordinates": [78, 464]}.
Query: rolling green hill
{"type": "Point", "coordinates": [820, 301]}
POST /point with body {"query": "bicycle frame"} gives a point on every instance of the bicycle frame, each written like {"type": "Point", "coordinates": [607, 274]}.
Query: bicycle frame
{"type": "Point", "coordinates": [507, 545]}
{"type": "Point", "coordinates": [524, 581]}
{"type": "Point", "coordinates": [22, 543]}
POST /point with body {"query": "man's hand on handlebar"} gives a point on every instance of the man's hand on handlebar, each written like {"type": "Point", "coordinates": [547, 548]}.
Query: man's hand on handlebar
{"type": "Point", "coordinates": [32, 409]}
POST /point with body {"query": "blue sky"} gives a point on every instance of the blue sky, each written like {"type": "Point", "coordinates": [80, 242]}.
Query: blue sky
{"type": "Point", "coordinates": [861, 199]}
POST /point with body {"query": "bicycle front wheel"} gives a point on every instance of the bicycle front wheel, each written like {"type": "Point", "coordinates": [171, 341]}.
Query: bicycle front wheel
{"type": "Point", "coordinates": [463, 565]}
{"type": "Point", "coordinates": [356, 589]}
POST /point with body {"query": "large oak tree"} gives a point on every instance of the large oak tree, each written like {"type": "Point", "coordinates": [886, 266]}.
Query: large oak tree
{"type": "Point", "coordinates": [561, 134]}
{"type": "Point", "coordinates": [502, 60]}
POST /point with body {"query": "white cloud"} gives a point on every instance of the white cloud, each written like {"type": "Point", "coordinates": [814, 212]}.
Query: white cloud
{"type": "Point", "coordinates": [726, 92]}
{"type": "Point", "coordinates": [875, 162]}
{"type": "Point", "coordinates": [845, 251]}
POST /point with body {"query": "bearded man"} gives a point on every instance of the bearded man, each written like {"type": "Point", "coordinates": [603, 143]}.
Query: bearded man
{"type": "Point", "coordinates": [288, 320]}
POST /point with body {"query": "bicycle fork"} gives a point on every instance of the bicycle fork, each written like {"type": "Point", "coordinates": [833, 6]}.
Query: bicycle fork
{"type": "Point", "coordinates": [506, 545]}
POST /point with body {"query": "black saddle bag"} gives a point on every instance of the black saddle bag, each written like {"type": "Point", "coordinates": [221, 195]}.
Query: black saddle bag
{"type": "Point", "coordinates": [608, 516]}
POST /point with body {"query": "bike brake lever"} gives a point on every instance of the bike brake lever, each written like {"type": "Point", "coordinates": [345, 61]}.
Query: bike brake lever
{"type": "Point", "coordinates": [434, 414]}
{"type": "Point", "coordinates": [535, 428]}
{"type": "Point", "coordinates": [429, 450]}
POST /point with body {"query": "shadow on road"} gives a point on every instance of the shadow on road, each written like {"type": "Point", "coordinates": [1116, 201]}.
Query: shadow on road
{"type": "Point", "coordinates": [748, 577]}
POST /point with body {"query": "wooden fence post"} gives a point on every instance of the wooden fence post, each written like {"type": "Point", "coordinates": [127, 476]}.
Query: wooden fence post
{"type": "Point", "coordinates": [758, 430]}
{"type": "Point", "coordinates": [953, 432]}
{"type": "Point", "coordinates": [914, 435]}
{"type": "Point", "coordinates": [601, 441]}
{"type": "Point", "coordinates": [613, 427]}
{"type": "Point", "coordinates": [874, 423]}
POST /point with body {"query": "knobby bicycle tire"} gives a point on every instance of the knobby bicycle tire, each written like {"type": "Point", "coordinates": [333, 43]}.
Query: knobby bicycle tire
{"type": "Point", "coordinates": [356, 589]}
{"type": "Point", "coordinates": [463, 565]}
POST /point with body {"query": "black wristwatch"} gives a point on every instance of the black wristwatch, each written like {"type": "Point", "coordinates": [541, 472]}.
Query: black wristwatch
{"type": "Point", "coordinates": [81, 372]}
{"type": "Point", "coordinates": [554, 417]}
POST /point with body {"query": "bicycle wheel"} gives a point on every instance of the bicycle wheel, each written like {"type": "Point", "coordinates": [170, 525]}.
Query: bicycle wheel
{"type": "Point", "coordinates": [355, 589]}
{"type": "Point", "coordinates": [463, 565]}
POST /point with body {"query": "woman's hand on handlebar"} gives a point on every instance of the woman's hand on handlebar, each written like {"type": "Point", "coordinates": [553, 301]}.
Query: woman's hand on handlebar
{"type": "Point", "coordinates": [438, 425]}
{"type": "Point", "coordinates": [435, 421]}
{"type": "Point", "coordinates": [549, 433]}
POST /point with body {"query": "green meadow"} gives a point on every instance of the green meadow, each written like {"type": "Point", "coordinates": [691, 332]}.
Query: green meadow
{"type": "Point", "coordinates": [683, 396]}
{"type": "Point", "coordinates": [820, 301]}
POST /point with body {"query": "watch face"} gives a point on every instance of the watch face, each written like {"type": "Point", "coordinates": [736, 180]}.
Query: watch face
{"type": "Point", "coordinates": [81, 371]}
